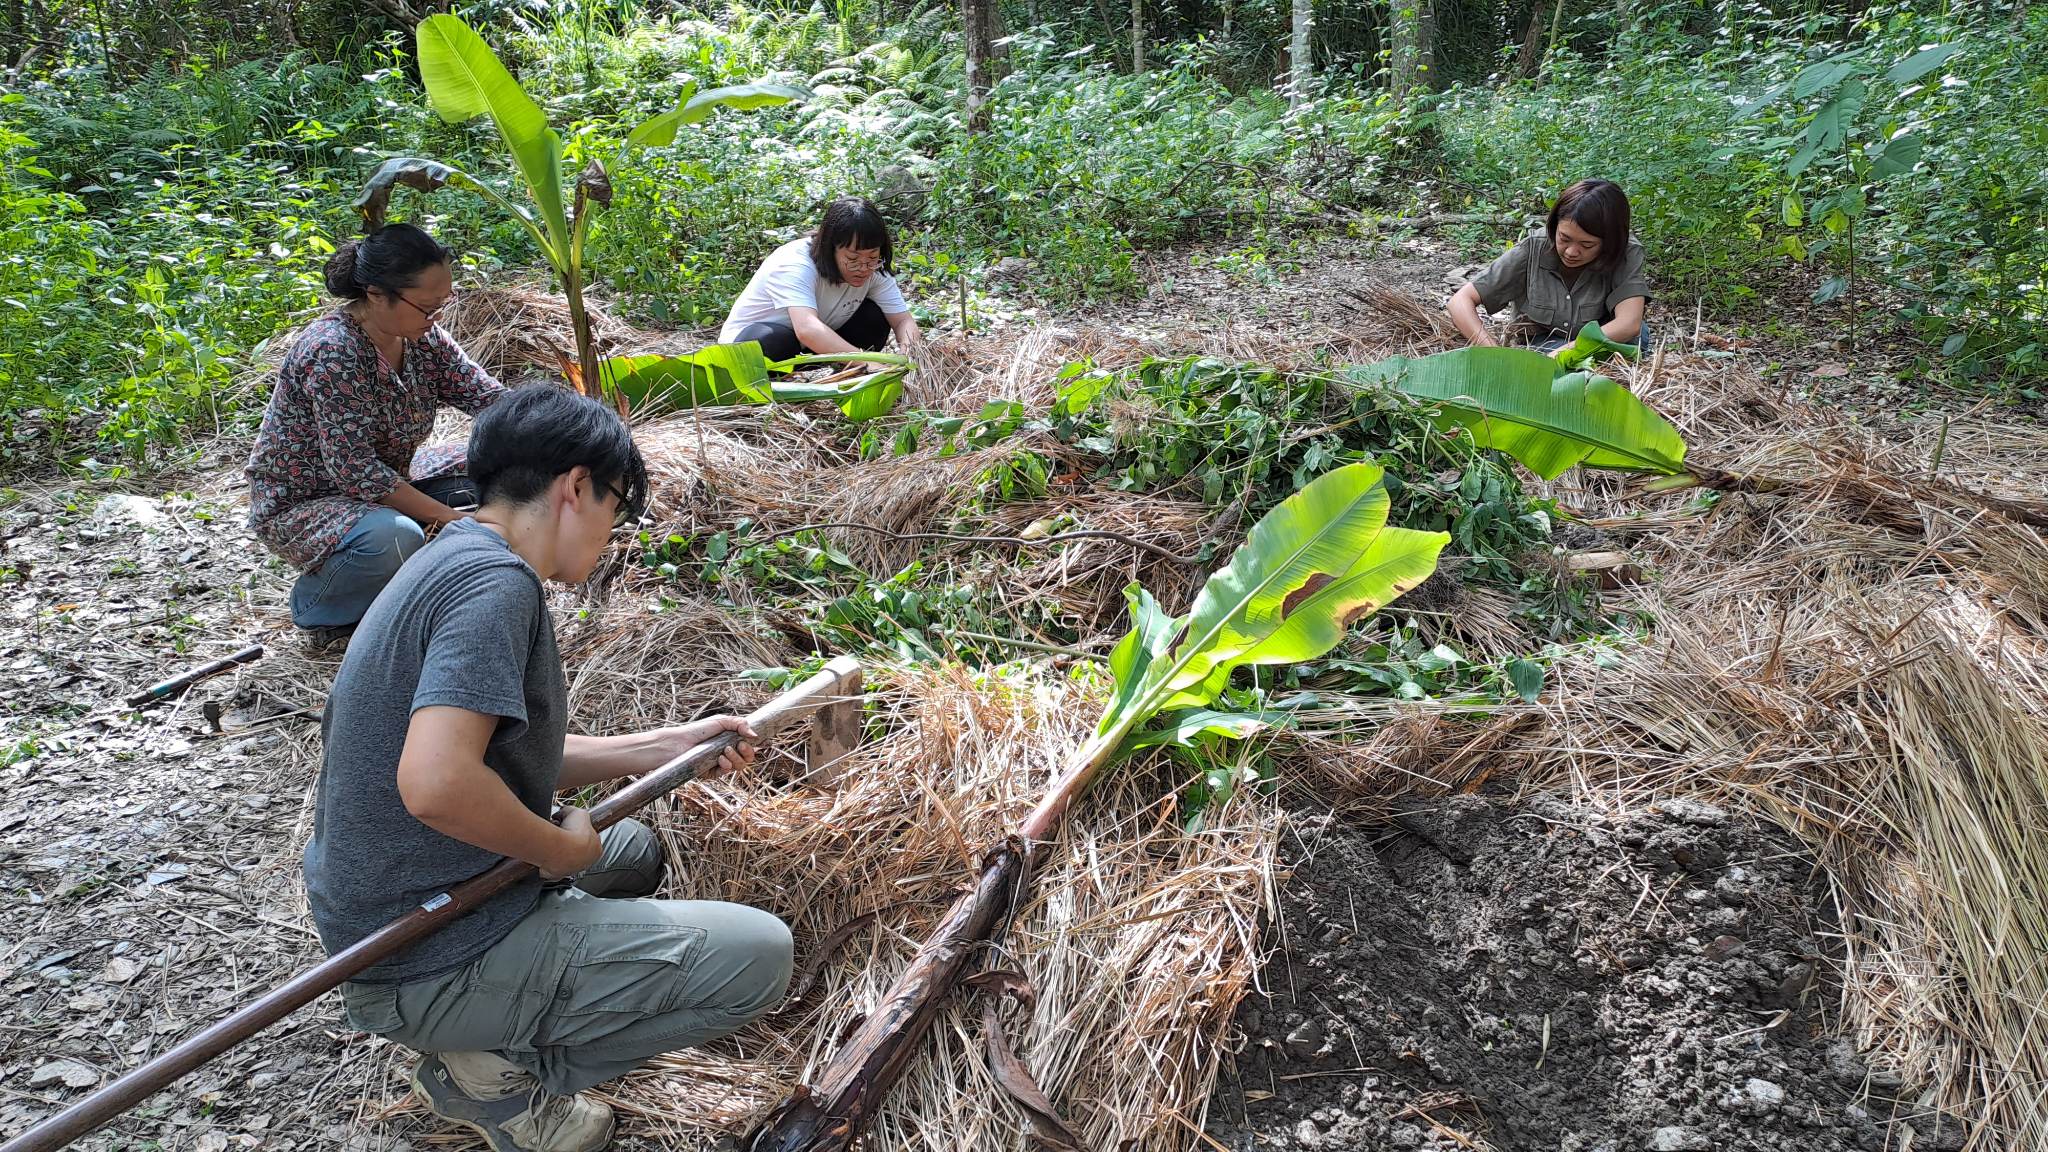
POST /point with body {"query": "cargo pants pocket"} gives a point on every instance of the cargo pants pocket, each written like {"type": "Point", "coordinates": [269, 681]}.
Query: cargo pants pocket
{"type": "Point", "coordinates": [617, 975]}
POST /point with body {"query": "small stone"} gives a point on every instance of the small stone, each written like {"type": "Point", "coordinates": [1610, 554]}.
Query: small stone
{"type": "Point", "coordinates": [1722, 947]}
{"type": "Point", "coordinates": [69, 1073]}
{"type": "Point", "coordinates": [1673, 1138]}
{"type": "Point", "coordinates": [1763, 1092]}
{"type": "Point", "coordinates": [1307, 1041]}
{"type": "Point", "coordinates": [1405, 1136]}
{"type": "Point", "coordinates": [1308, 1135]}
{"type": "Point", "coordinates": [1686, 810]}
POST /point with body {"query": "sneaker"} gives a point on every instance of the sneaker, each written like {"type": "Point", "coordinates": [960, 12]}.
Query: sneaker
{"type": "Point", "coordinates": [506, 1105]}
{"type": "Point", "coordinates": [328, 641]}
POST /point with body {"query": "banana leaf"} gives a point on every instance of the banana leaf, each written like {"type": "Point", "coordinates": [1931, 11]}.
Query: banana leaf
{"type": "Point", "coordinates": [464, 80]}
{"type": "Point", "coordinates": [1527, 405]}
{"type": "Point", "coordinates": [1592, 344]}
{"type": "Point", "coordinates": [726, 374]}
{"type": "Point", "coordinates": [1310, 567]}
{"type": "Point", "coordinates": [660, 131]}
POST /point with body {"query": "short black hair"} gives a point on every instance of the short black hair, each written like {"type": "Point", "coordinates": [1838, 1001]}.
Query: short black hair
{"type": "Point", "coordinates": [1601, 208]}
{"type": "Point", "coordinates": [521, 443]}
{"type": "Point", "coordinates": [850, 222]}
{"type": "Point", "coordinates": [390, 258]}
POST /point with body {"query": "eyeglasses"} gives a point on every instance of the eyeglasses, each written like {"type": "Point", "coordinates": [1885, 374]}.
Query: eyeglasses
{"type": "Point", "coordinates": [622, 512]}
{"type": "Point", "coordinates": [847, 257]}
{"type": "Point", "coordinates": [432, 314]}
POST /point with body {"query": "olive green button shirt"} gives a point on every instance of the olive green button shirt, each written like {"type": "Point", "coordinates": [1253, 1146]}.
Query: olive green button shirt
{"type": "Point", "coordinates": [1530, 277]}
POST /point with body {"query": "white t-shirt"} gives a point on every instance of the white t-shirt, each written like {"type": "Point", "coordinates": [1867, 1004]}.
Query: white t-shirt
{"type": "Point", "coordinates": [787, 279]}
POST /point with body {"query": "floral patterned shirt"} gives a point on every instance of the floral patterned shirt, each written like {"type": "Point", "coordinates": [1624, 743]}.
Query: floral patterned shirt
{"type": "Point", "coordinates": [342, 429]}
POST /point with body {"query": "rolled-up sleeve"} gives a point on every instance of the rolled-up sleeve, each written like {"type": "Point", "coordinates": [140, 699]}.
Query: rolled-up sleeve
{"type": "Point", "coordinates": [1506, 280]}
{"type": "Point", "coordinates": [1631, 281]}
{"type": "Point", "coordinates": [457, 381]}
{"type": "Point", "coordinates": [888, 295]}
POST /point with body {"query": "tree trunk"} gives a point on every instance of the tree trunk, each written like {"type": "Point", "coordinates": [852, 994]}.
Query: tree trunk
{"type": "Point", "coordinates": [1556, 22]}
{"type": "Point", "coordinates": [1301, 68]}
{"type": "Point", "coordinates": [1137, 36]}
{"type": "Point", "coordinates": [1525, 60]}
{"type": "Point", "coordinates": [974, 21]}
{"type": "Point", "coordinates": [1226, 19]}
{"type": "Point", "coordinates": [1414, 24]}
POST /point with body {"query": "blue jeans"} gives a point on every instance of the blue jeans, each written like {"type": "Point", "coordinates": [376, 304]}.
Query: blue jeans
{"type": "Point", "coordinates": [341, 589]}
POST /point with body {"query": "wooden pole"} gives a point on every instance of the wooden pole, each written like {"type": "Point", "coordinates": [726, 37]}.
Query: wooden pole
{"type": "Point", "coordinates": [823, 690]}
{"type": "Point", "coordinates": [193, 676]}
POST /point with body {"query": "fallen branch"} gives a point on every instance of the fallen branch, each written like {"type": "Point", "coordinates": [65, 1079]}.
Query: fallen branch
{"type": "Point", "coordinates": [1006, 541]}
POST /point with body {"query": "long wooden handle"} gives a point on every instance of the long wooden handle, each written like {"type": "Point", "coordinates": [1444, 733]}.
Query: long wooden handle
{"type": "Point", "coordinates": [193, 676]}
{"type": "Point", "coordinates": [838, 680]}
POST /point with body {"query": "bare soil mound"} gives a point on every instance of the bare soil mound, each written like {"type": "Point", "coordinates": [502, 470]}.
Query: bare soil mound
{"type": "Point", "coordinates": [1479, 974]}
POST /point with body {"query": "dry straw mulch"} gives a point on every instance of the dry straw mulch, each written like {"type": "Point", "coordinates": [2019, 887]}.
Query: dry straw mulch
{"type": "Point", "coordinates": [1849, 648]}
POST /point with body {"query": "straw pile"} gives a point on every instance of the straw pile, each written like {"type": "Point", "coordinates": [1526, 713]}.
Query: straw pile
{"type": "Point", "coordinates": [1856, 653]}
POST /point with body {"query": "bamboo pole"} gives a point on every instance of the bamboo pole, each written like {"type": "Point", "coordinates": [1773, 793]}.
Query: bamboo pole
{"type": "Point", "coordinates": [830, 686]}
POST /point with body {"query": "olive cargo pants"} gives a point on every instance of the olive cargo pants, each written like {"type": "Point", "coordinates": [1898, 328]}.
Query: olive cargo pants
{"type": "Point", "coordinates": [586, 989]}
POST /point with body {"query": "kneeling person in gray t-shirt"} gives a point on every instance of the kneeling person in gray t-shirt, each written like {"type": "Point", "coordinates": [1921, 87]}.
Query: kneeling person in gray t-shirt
{"type": "Point", "coordinates": [446, 739]}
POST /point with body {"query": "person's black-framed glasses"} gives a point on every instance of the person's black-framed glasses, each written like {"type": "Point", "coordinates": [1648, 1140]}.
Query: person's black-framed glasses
{"type": "Point", "coordinates": [432, 315]}
{"type": "Point", "coordinates": [623, 512]}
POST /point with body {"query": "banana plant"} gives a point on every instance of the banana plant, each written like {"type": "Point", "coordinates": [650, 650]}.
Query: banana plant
{"type": "Point", "coordinates": [465, 79]}
{"type": "Point", "coordinates": [1321, 560]}
{"type": "Point", "coordinates": [1535, 409]}
{"type": "Point", "coordinates": [1590, 345]}
{"type": "Point", "coordinates": [739, 374]}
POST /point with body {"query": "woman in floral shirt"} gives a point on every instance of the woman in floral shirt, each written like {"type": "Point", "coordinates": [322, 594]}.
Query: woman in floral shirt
{"type": "Point", "coordinates": [338, 483]}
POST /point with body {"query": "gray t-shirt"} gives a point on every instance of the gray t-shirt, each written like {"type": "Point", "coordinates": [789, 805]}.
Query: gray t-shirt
{"type": "Point", "coordinates": [1531, 278]}
{"type": "Point", "coordinates": [464, 624]}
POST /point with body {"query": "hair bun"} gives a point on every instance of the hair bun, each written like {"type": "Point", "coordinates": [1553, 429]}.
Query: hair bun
{"type": "Point", "coordinates": [341, 271]}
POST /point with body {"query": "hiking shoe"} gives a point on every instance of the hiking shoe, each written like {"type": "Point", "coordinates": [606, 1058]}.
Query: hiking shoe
{"type": "Point", "coordinates": [506, 1105]}
{"type": "Point", "coordinates": [328, 641]}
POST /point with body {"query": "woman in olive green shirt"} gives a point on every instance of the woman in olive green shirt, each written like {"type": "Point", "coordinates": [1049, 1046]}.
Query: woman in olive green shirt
{"type": "Point", "coordinates": [1583, 267]}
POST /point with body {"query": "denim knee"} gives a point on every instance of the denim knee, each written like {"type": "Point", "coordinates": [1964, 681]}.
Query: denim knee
{"type": "Point", "coordinates": [384, 539]}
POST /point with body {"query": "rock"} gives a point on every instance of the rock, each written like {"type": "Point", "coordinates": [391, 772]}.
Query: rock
{"type": "Point", "coordinates": [1764, 1091]}
{"type": "Point", "coordinates": [69, 1073]}
{"type": "Point", "coordinates": [900, 192]}
{"type": "Point", "coordinates": [1674, 1138]}
{"type": "Point", "coordinates": [1686, 810]}
{"type": "Point", "coordinates": [1405, 1136]}
{"type": "Point", "coordinates": [1308, 1135]}
{"type": "Point", "coordinates": [1722, 947]}
{"type": "Point", "coordinates": [1014, 269]}
{"type": "Point", "coordinates": [1937, 1132]}
{"type": "Point", "coordinates": [122, 508]}
{"type": "Point", "coordinates": [1307, 1041]}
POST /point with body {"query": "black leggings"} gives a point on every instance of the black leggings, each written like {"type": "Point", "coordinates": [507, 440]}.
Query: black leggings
{"type": "Point", "coordinates": [867, 329]}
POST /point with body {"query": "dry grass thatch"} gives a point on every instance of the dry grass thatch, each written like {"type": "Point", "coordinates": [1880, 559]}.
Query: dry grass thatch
{"type": "Point", "coordinates": [1856, 654]}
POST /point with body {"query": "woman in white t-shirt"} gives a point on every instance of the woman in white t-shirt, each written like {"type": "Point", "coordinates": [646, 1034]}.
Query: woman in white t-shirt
{"type": "Point", "coordinates": [830, 291]}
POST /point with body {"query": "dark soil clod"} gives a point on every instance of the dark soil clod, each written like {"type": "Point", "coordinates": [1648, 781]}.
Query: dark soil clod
{"type": "Point", "coordinates": [1546, 977]}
